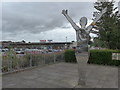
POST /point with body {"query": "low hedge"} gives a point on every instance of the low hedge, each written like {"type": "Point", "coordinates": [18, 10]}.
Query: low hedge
{"type": "Point", "coordinates": [70, 55]}
{"type": "Point", "coordinates": [103, 57]}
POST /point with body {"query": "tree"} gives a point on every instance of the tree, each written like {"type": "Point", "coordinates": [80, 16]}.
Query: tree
{"type": "Point", "coordinates": [99, 43]}
{"type": "Point", "coordinates": [108, 25]}
{"type": "Point", "coordinates": [23, 41]}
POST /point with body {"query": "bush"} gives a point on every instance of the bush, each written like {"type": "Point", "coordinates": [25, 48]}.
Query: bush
{"type": "Point", "coordinates": [103, 57]}
{"type": "Point", "coordinates": [70, 55]}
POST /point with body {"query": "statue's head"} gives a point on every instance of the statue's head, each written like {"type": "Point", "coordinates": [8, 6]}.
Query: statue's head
{"type": "Point", "coordinates": [83, 22]}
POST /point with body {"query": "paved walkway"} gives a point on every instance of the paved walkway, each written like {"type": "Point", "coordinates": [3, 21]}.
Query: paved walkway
{"type": "Point", "coordinates": [63, 75]}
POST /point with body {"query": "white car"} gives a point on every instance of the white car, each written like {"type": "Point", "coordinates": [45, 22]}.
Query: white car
{"type": "Point", "coordinates": [19, 51]}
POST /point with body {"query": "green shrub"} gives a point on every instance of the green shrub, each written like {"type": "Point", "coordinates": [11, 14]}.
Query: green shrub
{"type": "Point", "coordinates": [103, 57]}
{"type": "Point", "coordinates": [70, 55]}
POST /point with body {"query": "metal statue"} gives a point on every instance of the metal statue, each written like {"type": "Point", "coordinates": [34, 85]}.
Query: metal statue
{"type": "Point", "coordinates": [82, 37]}
{"type": "Point", "coordinates": [83, 33]}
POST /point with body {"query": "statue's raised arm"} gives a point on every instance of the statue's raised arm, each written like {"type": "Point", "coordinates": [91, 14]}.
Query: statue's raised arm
{"type": "Point", "coordinates": [65, 13]}
{"type": "Point", "coordinates": [97, 17]}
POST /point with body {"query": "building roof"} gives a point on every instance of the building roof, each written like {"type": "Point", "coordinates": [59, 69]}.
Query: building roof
{"type": "Point", "coordinates": [36, 43]}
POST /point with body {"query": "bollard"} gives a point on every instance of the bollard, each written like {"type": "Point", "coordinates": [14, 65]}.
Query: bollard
{"type": "Point", "coordinates": [44, 58]}
{"type": "Point", "coordinates": [54, 58]}
{"type": "Point", "coordinates": [30, 60]}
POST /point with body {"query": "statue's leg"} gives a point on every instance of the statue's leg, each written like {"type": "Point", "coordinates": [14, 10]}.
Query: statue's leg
{"type": "Point", "coordinates": [82, 58]}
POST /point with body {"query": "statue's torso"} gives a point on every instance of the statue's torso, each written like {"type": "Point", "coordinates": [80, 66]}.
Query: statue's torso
{"type": "Point", "coordinates": [82, 40]}
{"type": "Point", "coordinates": [81, 35]}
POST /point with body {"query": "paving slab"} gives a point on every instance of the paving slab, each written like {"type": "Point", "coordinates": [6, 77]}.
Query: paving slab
{"type": "Point", "coordinates": [63, 75]}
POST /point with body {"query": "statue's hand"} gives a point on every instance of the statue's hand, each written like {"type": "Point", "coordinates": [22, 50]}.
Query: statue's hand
{"type": "Point", "coordinates": [64, 12]}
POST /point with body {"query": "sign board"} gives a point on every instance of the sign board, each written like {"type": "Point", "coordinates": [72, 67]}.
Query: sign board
{"type": "Point", "coordinates": [115, 56]}
{"type": "Point", "coordinates": [49, 40]}
{"type": "Point", "coordinates": [42, 41]}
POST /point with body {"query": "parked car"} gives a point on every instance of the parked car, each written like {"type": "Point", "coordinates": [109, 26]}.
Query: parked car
{"type": "Point", "coordinates": [19, 51]}
{"type": "Point", "coordinates": [3, 51]}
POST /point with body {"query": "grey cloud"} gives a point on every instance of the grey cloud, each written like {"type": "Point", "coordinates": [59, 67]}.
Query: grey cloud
{"type": "Point", "coordinates": [119, 7]}
{"type": "Point", "coordinates": [36, 17]}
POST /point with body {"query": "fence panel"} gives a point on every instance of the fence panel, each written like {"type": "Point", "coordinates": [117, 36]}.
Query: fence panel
{"type": "Point", "coordinates": [12, 61]}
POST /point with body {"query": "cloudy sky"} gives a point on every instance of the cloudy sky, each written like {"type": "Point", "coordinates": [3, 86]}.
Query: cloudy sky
{"type": "Point", "coordinates": [119, 6]}
{"type": "Point", "coordinates": [34, 21]}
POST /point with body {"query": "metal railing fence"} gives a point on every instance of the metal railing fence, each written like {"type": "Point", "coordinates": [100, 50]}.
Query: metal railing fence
{"type": "Point", "coordinates": [12, 61]}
